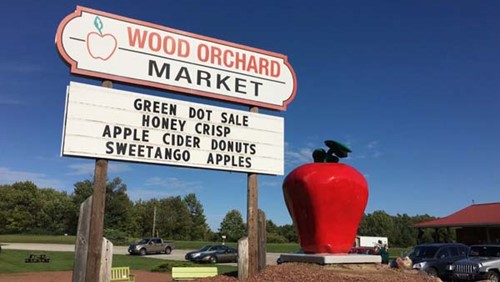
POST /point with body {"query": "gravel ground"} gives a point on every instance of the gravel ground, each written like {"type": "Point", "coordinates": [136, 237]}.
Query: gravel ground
{"type": "Point", "coordinates": [287, 272]}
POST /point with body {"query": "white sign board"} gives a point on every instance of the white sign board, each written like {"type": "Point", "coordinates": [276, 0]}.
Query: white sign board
{"type": "Point", "coordinates": [108, 46]}
{"type": "Point", "coordinates": [120, 125]}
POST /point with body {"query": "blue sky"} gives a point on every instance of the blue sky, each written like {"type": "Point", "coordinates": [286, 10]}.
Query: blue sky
{"type": "Point", "coordinates": [411, 86]}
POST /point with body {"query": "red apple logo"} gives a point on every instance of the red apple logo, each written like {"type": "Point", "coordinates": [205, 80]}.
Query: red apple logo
{"type": "Point", "coordinates": [101, 46]}
{"type": "Point", "coordinates": [326, 201]}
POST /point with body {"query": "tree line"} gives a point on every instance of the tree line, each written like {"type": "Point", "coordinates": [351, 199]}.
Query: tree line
{"type": "Point", "coordinates": [28, 209]}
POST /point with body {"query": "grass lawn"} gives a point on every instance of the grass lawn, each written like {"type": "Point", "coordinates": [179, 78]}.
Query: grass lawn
{"type": "Point", "coordinates": [42, 239]}
{"type": "Point", "coordinates": [12, 261]}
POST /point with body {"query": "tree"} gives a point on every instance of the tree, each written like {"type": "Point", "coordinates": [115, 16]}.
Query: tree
{"type": "Point", "coordinates": [173, 219]}
{"type": "Point", "coordinates": [56, 212]}
{"type": "Point", "coordinates": [117, 203]}
{"type": "Point", "coordinates": [232, 226]}
{"type": "Point", "coordinates": [427, 234]}
{"type": "Point", "coordinates": [19, 207]}
{"type": "Point", "coordinates": [404, 234]}
{"type": "Point", "coordinates": [24, 208]}
{"type": "Point", "coordinates": [83, 190]}
{"type": "Point", "coordinates": [271, 227]}
{"type": "Point", "coordinates": [272, 233]}
{"type": "Point", "coordinates": [289, 232]}
{"type": "Point", "coordinates": [379, 223]}
{"type": "Point", "coordinates": [140, 222]}
{"type": "Point", "coordinates": [199, 227]}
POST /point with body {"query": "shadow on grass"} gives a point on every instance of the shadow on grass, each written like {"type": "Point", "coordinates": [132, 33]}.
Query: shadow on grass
{"type": "Point", "coordinates": [231, 274]}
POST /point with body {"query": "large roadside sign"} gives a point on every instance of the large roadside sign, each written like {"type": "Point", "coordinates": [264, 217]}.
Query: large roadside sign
{"type": "Point", "coordinates": [109, 46]}
{"type": "Point", "coordinates": [120, 125]}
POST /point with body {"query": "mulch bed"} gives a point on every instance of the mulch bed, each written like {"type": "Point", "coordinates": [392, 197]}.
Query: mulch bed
{"type": "Point", "coordinates": [65, 276]}
{"type": "Point", "coordinates": [287, 272]}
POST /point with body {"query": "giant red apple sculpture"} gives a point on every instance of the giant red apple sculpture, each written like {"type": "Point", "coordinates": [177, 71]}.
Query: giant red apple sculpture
{"type": "Point", "coordinates": [326, 201]}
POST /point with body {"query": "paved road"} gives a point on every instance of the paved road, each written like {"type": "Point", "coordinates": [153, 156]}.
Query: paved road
{"type": "Point", "coordinates": [119, 250]}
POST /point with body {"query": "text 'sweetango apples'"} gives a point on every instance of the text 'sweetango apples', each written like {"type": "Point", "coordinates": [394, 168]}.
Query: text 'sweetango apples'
{"type": "Point", "coordinates": [326, 201]}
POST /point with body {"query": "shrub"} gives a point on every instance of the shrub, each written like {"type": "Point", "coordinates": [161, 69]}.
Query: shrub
{"type": "Point", "coordinates": [117, 237]}
{"type": "Point", "coordinates": [275, 238]}
{"type": "Point", "coordinates": [167, 267]}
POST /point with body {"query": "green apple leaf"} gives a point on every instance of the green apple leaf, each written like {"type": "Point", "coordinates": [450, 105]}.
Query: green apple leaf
{"type": "Point", "coordinates": [335, 151]}
{"type": "Point", "coordinates": [337, 148]}
{"type": "Point", "coordinates": [98, 24]}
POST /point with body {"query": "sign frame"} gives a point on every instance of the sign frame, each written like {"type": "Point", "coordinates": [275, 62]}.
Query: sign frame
{"type": "Point", "coordinates": [272, 95]}
{"type": "Point", "coordinates": [106, 123]}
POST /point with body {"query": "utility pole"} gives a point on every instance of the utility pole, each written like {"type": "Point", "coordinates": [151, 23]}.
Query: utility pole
{"type": "Point", "coordinates": [154, 222]}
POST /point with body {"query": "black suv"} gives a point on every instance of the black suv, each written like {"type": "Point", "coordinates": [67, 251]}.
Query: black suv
{"type": "Point", "coordinates": [435, 258]}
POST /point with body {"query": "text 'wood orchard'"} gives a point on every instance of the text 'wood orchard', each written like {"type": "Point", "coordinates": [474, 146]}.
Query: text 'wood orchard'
{"type": "Point", "coordinates": [108, 46]}
{"type": "Point", "coordinates": [113, 124]}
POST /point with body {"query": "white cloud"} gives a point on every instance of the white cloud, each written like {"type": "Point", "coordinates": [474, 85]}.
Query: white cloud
{"type": "Point", "coordinates": [147, 194]}
{"type": "Point", "coordinates": [8, 176]}
{"type": "Point", "coordinates": [372, 144]}
{"type": "Point", "coordinates": [82, 169]}
{"type": "Point", "coordinates": [271, 183]}
{"type": "Point", "coordinates": [23, 68]}
{"type": "Point", "coordinates": [174, 185]}
{"type": "Point", "coordinates": [214, 221]}
{"type": "Point", "coordinates": [300, 156]}
{"type": "Point", "coordinates": [373, 148]}
{"type": "Point", "coordinates": [9, 101]}
{"type": "Point", "coordinates": [163, 187]}
{"type": "Point", "coordinates": [88, 168]}
{"type": "Point", "coordinates": [118, 167]}
{"type": "Point", "coordinates": [362, 150]}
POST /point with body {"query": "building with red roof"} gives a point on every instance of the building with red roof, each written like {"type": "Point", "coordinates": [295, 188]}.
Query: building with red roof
{"type": "Point", "coordinates": [475, 224]}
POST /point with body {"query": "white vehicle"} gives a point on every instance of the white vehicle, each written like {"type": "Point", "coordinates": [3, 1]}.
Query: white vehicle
{"type": "Point", "coordinates": [370, 241]}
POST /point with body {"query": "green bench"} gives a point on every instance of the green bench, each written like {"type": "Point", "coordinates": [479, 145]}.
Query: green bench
{"type": "Point", "coordinates": [121, 274]}
{"type": "Point", "coordinates": [191, 273]}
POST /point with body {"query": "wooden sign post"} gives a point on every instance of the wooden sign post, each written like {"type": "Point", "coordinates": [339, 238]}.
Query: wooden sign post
{"type": "Point", "coordinates": [253, 219]}
{"type": "Point", "coordinates": [97, 216]}
{"type": "Point", "coordinates": [262, 249]}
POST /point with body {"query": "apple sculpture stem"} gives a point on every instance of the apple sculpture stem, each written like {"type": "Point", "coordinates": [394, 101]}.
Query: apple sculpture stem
{"type": "Point", "coordinates": [326, 201]}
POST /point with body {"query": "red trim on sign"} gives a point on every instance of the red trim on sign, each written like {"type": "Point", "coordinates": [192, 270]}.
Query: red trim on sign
{"type": "Point", "coordinates": [294, 91]}
{"type": "Point", "coordinates": [74, 68]}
